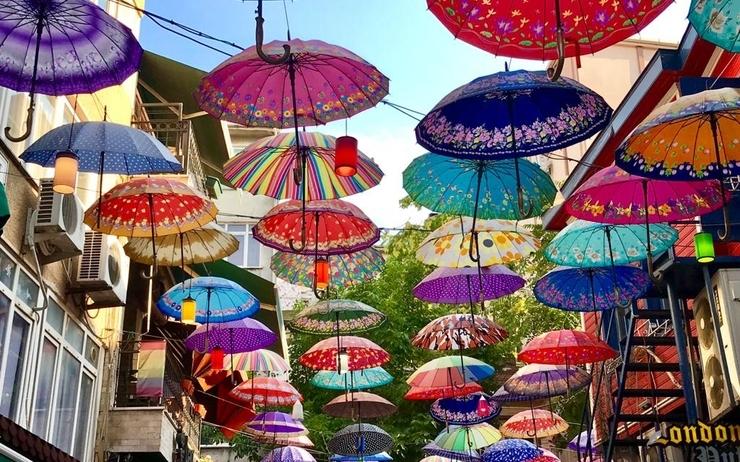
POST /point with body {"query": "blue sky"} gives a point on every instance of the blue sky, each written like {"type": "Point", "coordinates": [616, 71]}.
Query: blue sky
{"type": "Point", "coordinates": [400, 37]}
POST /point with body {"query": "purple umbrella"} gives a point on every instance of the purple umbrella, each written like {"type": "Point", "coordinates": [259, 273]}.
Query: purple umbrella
{"type": "Point", "coordinates": [238, 336]}
{"type": "Point", "coordinates": [503, 396]}
{"type": "Point", "coordinates": [275, 424]}
{"type": "Point", "coordinates": [61, 48]}
{"type": "Point", "coordinates": [288, 454]}
{"type": "Point", "coordinates": [545, 381]}
{"type": "Point", "coordinates": [580, 443]}
{"type": "Point", "coordinates": [465, 410]}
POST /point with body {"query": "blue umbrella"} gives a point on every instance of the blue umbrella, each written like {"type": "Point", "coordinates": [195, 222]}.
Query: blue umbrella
{"type": "Point", "coordinates": [591, 289]}
{"type": "Point", "coordinates": [217, 300]}
{"type": "Point", "coordinates": [380, 457]}
{"type": "Point", "coordinates": [464, 410]}
{"type": "Point", "coordinates": [104, 147]}
{"type": "Point", "coordinates": [432, 449]}
{"type": "Point", "coordinates": [355, 380]}
{"type": "Point", "coordinates": [511, 450]}
{"type": "Point", "coordinates": [717, 22]}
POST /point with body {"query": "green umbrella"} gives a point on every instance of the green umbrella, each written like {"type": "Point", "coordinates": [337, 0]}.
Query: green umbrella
{"type": "Point", "coordinates": [465, 439]}
{"type": "Point", "coordinates": [337, 317]}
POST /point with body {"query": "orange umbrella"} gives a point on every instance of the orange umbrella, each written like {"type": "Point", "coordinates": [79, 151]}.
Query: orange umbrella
{"type": "Point", "coordinates": [534, 423]}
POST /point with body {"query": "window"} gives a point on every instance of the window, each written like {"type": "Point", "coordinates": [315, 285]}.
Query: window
{"type": "Point", "coordinates": [42, 404]}
{"type": "Point", "coordinates": [250, 250]}
{"type": "Point", "coordinates": [64, 412]}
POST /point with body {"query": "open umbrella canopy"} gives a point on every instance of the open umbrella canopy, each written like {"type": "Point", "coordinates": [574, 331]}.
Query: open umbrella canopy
{"type": "Point", "coordinates": [288, 454]}
{"type": "Point", "coordinates": [436, 459]}
{"type": "Point", "coordinates": [359, 405]}
{"type": "Point", "coordinates": [241, 366]}
{"type": "Point", "coordinates": [434, 450]}
{"type": "Point", "coordinates": [360, 439]}
{"type": "Point", "coordinates": [512, 114]}
{"type": "Point", "coordinates": [511, 450]}
{"type": "Point", "coordinates": [445, 391]}
{"type": "Point", "coordinates": [591, 289]}
{"type": "Point", "coordinates": [266, 168]}
{"type": "Point", "coordinates": [325, 227]}
{"type": "Point", "coordinates": [217, 300]}
{"type": "Point", "coordinates": [466, 438]}
{"type": "Point", "coordinates": [465, 410]}
{"type": "Point", "coordinates": [237, 336]}
{"type": "Point", "coordinates": [716, 22]}
{"type": "Point", "coordinates": [585, 244]}
{"type": "Point", "coordinates": [344, 269]}
{"type": "Point", "coordinates": [459, 331]}
{"type": "Point", "coordinates": [380, 457]}
{"type": "Point", "coordinates": [503, 396]}
{"type": "Point", "coordinates": [362, 354]}
{"type": "Point", "coordinates": [545, 380]}
{"type": "Point", "coordinates": [266, 391]}
{"type": "Point", "coordinates": [362, 379]}
{"type": "Point", "coordinates": [534, 423]}
{"type": "Point", "coordinates": [275, 424]}
{"type": "Point", "coordinates": [450, 371]}
{"type": "Point", "coordinates": [477, 187]}
{"type": "Point", "coordinates": [499, 242]}
{"type": "Point", "coordinates": [581, 442]}
{"type": "Point", "coordinates": [331, 83]}
{"type": "Point", "coordinates": [337, 317]}
{"type": "Point", "coordinates": [201, 245]}
{"type": "Point", "coordinates": [566, 346]}
{"type": "Point", "coordinates": [459, 286]}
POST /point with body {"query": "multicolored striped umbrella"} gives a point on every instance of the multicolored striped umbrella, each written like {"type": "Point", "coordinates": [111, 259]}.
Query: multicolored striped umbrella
{"type": "Point", "coordinates": [459, 331]}
{"type": "Point", "coordinates": [275, 424]}
{"type": "Point", "coordinates": [337, 317]}
{"type": "Point", "coordinates": [534, 423]}
{"type": "Point", "coordinates": [261, 362]}
{"type": "Point", "coordinates": [201, 245]}
{"type": "Point", "coordinates": [360, 439]}
{"type": "Point", "coordinates": [362, 379]}
{"type": "Point", "coordinates": [232, 337]}
{"type": "Point", "coordinates": [217, 300]}
{"type": "Point", "coordinates": [361, 352]}
{"type": "Point", "coordinates": [241, 367]}
{"type": "Point", "coordinates": [344, 270]}
{"type": "Point", "coordinates": [288, 454]}
{"type": "Point", "coordinates": [266, 167]}
{"type": "Point", "coordinates": [447, 454]}
{"type": "Point", "coordinates": [433, 393]}
{"type": "Point", "coordinates": [359, 405]}
{"type": "Point", "coordinates": [467, 438]}
{"type": "Point", "coordinates": [511, 450]}
{"type": "Point", "coordinates": [566, 346]}
{"type": "Point", "coordinates": [465, 410]}
{"type": "Point", "coordinates": [266, 391]}
{"type": "Point", "coordinates": [458, 286]}
{"type": "Point", "coordinates": [546, 380]}
{"type": "Point", "coordinates": [450, 371]}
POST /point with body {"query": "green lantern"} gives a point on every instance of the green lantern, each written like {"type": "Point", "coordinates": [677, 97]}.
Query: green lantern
{"type": "Point", "coordinates": [704, 247]}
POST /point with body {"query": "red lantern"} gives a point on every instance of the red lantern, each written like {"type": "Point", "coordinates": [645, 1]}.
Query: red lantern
{"type": "Point", "coordinates": [484, 408]}
{"type": "Point", "coordinates": [322, 273]}
{"type": "Point", "coordinates": [217, 358]}
{"type": "Point", "coordinates": [345, 157]}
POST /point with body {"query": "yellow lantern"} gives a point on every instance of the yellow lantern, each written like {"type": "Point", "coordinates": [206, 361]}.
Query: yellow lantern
{"type": "Point", "coordinates": [188, 311]}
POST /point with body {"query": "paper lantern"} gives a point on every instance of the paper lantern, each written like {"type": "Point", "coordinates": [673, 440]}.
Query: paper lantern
{"type": "Point", "coordinates": [345, 156]}
{"type": "Point", "coordinates": [343, 361]}
{"type": "Point", "coordinates": [187, 315]}
{"type": "Point", "coordinates": [322, 273]}
{"type": "Point", "coordinates": [704, 247]}
{"type": "Point", "coordinates": [65, 172]}
{"type": "Point", "coordinates": [217, 358]}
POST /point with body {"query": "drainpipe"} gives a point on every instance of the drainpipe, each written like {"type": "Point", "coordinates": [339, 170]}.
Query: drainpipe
{"type": "Point", "coordinates": [684, 361]}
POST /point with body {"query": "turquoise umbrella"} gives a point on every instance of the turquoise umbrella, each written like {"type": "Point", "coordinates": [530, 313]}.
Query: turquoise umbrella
{"type": "Point", "coordinates": [355, 380]}
{"type": "Point", "coordinates": [718, 22]}
{"type": "Point", "coordinates": [584, 244]}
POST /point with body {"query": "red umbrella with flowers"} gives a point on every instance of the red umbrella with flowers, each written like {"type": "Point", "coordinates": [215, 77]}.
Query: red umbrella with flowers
{"type": "Point", "coordinates": [344, 353]}
{"type": "Point", "coordinates": [266, 391]}
{"type": "Point", "coordinates": [434, 393]}
{"type": "Point", "coordinates": [566, 346]}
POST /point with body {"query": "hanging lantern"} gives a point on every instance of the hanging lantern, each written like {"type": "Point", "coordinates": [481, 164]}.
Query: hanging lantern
{"type": "Point", "coordinates": [322, 273]}
{"type": "Point", "coordinates": [704, 247]}
{"type": "Point", "coordinates": [484, 408]}
{"type": "Point", "coordinates": [65, 172]}
{"type": "Point", "coordinates": [297, 413]}
{"type": "Point", "coordinates": [343, 361]}
{"type": "Point", "coordinates": [345, 157]}
{"type": "Point", "coordinates": [187, 315]}
{"type": "Point", "coordinates": [217, 358]}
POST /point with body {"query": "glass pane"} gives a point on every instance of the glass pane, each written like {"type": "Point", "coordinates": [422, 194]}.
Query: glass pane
{"type": "Point", "coordinates": [91, 352]}
{"type": "Point", "coordinates": [83, 417]}
{"type": "Point", "coordinates": [7, 270]}
{"type": "Point", "coordinates": [14, 367]}
{"type": "Point", "coordinates": [4, 314]}
{"type": "Point", "coordinates": [55, 316]}
{"type": "Point", "coordinates": [42, 404]}
{"type": "Point", "coordinates": [234, 228]}
{"type": "Point", "coordinates": [253, 252]}
{"type": "Point", "coordinates": [74, 335]}
{"type": "Point", "coordinates": [27, 290]}
{"type": "Point", "coordinates": [64, 412]}
{"type": "Point", "coordinates": [237, 258]}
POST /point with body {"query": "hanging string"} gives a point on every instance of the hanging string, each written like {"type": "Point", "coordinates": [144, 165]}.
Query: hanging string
{"type": "Point", "coordinates": [287, 20]}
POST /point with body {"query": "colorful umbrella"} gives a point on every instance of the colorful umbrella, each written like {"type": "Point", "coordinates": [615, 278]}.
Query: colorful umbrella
{"type": "Point", "coordinates": [360, 439]}
{"type": "Point", "coordinates": [288, 454]}
{"type": "Point", "coordinates": [228, 415]}
{"type": "Point", "coordinates": [436, 459]}
{"type": "Point", "coordinates": [717, 22]}
{"type": "Point", "coordinates": [359, 405]}
{"type": "Point", "coordinates": [465, 410]}
{"type": "Point", "coordinates": [302, 441]}
{"type": "Point", "coordinates": [232, 337]}
{"type": "Point", "coordinates": [545, 381]}
{"type": "Point", "coordinates": [450, 371]}
{"type": "Point", "coordinates": [499, 242]}
{"type": "Point", "coordinates": [354, 380]}
{"type": "Point", "coordinates": [580, 443]}
{"type": "Point", "coordinates": [446, 454]}
{"type": "Point", "coordinates": [266, 391]}
{"type": "Point", "coordinates": [201, 245]}
{"type": "Point", "coordinates": [586, 245]}
{"type": "Point", "coordinates": [534, 423]}
{"type": "Point", "coordinates": [217, 300]}
{"type": "Point", "coordinates": [567, 347]}
{"type": "Point", "coordinates": [503, 396]}
{"type": "Point", "coordinates": [275, 424]}
{"type": "Point", "coordinates": [341, 227]}
{"type": "Point", "coordinates": [434, 393]}
{"type": "Point", "coordinates": [468, 438]}
{"type": "Point", "coordinates": [337, 317]}
{"type": "Point", "coordinates": [361, 353]}
{"type": "Point", "coordinates": [62, 48]}
{"type": "Point", "coordinates": [241, 367]}
{"type": "Point", "coordinates": [459, 332]}
{"type": "Point", "coordinates": [459, 286]}
{"type": "Point", "coordinates": [380, 457]}
{"type": "Point", "coordinates": [478, 188]}
{"type": "Point", "coordinates": [266, 167]}
{"type": "Point", "coordinates": [511, 450]}
{"type": "Point", "coordinates": [591, 289]}
{"type": "Point", "coordinates": [344, 269]}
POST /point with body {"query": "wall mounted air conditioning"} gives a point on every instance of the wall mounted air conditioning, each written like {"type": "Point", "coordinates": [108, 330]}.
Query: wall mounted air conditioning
{"type": "Point", "coordinates": [58, 231]}
{"type": "Point", "coordinates": [726, 293]}
{"type": "Point", "coordinates": [655, 453]}
{"type": "Point", "coordinates": [102, 271]}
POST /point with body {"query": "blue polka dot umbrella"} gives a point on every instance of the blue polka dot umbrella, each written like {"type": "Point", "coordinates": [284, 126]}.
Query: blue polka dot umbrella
{"type": "Point", "coordinates": [511, 450]}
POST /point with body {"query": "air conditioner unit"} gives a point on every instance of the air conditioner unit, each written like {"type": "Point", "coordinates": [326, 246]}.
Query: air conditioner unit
{"type": "Point", "coordinates": [58, 231]}
{"type": "Point", "coordinates": [102, 271]}
{"type": "Point", "coordinates": [656, 453]}
{"type": "Point", "coordinates": [726, 293]}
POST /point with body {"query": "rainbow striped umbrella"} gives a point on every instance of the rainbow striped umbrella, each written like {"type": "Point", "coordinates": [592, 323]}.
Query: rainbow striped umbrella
{"type": "Point", "coordinates": [467, 438]}
{"type": "Point", "coordinates": [267, 166]}
{"type": "Point", "coordinates": [259, 361]}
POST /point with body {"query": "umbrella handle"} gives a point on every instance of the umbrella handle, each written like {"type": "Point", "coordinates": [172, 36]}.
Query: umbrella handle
{"type": "Point", "coordinates": [32, 92]}
{"type": "Point", "coordinates": [152, 272]}
{"type": "Point", "coordinates": [725, 233]}
{"type": "Point", "coordinates": [554, 72]}
{"type": "Point", "coordinates": [474, 243]}
{"type": "Point", "coordinates": [29, 124]}
{"type": "Point", "coordinates": [520, 202]}
{"type": "Point", "coordinates": [260, 35]}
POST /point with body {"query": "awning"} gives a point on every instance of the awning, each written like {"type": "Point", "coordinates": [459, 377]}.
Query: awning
{"type": "Point", "coordinates": [29, 445]}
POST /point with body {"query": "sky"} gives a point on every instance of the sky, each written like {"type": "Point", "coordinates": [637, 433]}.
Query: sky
{"type": "Point", "coordinates": [400, 37]}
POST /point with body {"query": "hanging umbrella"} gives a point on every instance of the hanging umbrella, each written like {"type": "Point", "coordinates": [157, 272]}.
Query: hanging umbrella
{"type": "Point", "coordinates": [580, 443]}
{"type": "Point", "coordinates": [302, 441]}
{"type": "Point", "coordinates": [266, 391]}
{"type": "Point", "coordinates": [717, 22]}
{"type": "Point", "coordinates": [275, 424]}
{"type": "Point", "coordinates": [217, 300]}
{"type": "Point", "coordinates": [478, 188]}
{"type": "Point", "coordinates": [503, 396]}
{"type": "Point", "coordinates": [567, 347]}
{"type": "Point", "coordinates": [361, 353]}
{"type": "Point", "coordinates": [288, 454]}
{"type": "Point", "coordinates": [450, 371]}
{"type": "Point", "coordinates": [359, 405]}
{"type": "Point", "coordinates": [436, 459]}
{"type": "Point", "coordinates": [511, 450]}
{"type": "Point", "coordinates": [465, 410]}
{"type": "Point", "coordinates": [545, 381]}
{"type": "Point", "coordinates": [62, 48]}
{"type": "Point", "coordinates": [360, 439]}
{"type": "Point", "coordinates": [586, 245]}
{"type": "Point", "coordinates": [534, 423]}
{"type": "Point", "coordinates": [458, 286]}
{"type": "Point", "coordinates": [337, 317]}
{"type": "Point", "coordinates": [232, 337]}
{"type": "Point", "coordinates": [591, 289]}
{"type": "Point", "coordinates": [201, 245]}
{"type": "Point", "coordinates": [341, 228]}
{"type": "Point", "coordinates": [344, 269]}
{"type": "Point", "coordinates": [380, 457]}
{"type": "Point", "coordinates": [434, 393]}
{"type": "Point", "coordinates": [241, 366]}
{"type": "Point", "coordinates": [266, 167]}
{"type": "Point", "coordinates": [467, 438]}
{"type": "Point", "coordinates": [459, 332]}
{"type": "Point", "coordinates": [362, 379]}
{"type": "Point", "coordinates": [228, 415]}
{"type": "Point", "coordinates": [447, 454]}
{"type": "Point", "coordinates": [499, 242]}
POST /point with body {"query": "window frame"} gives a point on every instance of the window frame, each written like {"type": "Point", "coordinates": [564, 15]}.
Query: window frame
{"type": "Point", "coordinates": [244, 253]}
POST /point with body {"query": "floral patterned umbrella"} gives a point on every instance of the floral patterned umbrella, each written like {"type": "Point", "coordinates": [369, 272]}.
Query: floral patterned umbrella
{"type": "Point", "coordinates": [717, 22]}
{"type": "Point", "coordinates": [362, 379]}
{"type": "Point", "coordinates": [450, 371]}
{"type": "Point", "coordinates": [359, 405]}
{"type": "Point", "coordinates": [434, 393]}
{"type": "Point", "coordinates": [465, 410]}
{"type": "Point", "coordinates": [566, 346]}
{"type": "Point", "coordinates": [511, 450]}
{"type": "Point", "coordinates": [361, 352]}
{"type": "Point", "coordinates": [459, 332]}
{"type": "Point", "coordinates": [534, 423]}
{"type": "Point", "coordinates": [288, 454]}
{"type": "Point", "coordinates": [447, 454]}
{"type": "Point", "coordinates": [266, 391]}
{"type": "Point", "coordinates": [459, 286]}
{"type": "Point", "coordinates": [344, 269]}
{"type": "Point", "coordinates": [217, 300]}
{"type": "Point", "coordinates": [232, 337]}
{"type": "Point", "coordinates": [360, 439]}
{"type": "Point", "coordinates": [467, 438]}
{"type": "Point", "coordinates": [544, 381]}
{"type": "Point", "coordinates": [337, 317]}
{"type": "Point", "coordinates": [275, 425]}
